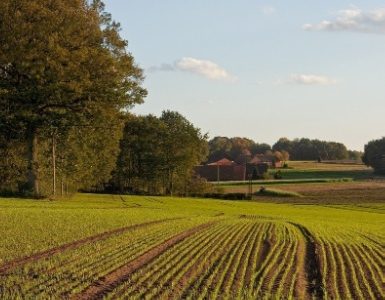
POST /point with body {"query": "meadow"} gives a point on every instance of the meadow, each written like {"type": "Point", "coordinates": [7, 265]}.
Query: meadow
{"type": "Point", "coordinates": [141, 247]}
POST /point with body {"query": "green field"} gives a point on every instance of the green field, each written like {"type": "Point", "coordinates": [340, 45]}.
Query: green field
{"type": "Point", "coordinates": [103, 246]}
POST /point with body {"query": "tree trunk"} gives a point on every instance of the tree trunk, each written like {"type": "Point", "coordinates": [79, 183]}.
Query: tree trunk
{"type": "Point", "coordinates": [33, 169]}
{"type": "Point", "coordinates": [54, 165]}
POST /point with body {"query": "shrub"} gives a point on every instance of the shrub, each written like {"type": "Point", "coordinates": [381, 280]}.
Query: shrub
{"type": "Point", "coordinates": [374, 155]}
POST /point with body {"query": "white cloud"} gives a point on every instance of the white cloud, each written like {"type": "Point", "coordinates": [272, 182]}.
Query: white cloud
{"type": "Point", "coordinates": [204, 68]}
{"type": "Point", "coordinates": [162, 67]}
{"type": "Point", "coordinates": [353, 19]}
{"type": "Point", "coordinates": [268, 10]}
{"type": "Point", "coordinates": [311, 79]}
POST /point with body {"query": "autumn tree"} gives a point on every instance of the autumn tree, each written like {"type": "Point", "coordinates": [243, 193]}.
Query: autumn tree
{"type": "Point", "coordinates": [62, 63]}
{"type": "Point", "coordinates": [374, 155]}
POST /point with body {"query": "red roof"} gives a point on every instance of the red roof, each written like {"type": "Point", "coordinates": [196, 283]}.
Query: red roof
{"type": "Point", "coordinates": [223, 162]}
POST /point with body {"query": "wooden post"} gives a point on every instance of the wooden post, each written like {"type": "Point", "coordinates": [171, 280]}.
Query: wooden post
{"type": "Point", "coordinates": [54, 165]}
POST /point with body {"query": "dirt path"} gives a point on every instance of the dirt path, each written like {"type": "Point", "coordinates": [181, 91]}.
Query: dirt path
{"type": "Point", "coordinates": [309, 284]}
{"type": "Point", "coordinates": [106, 284]}
{"type": "Point", "coordinates": [73, 245]}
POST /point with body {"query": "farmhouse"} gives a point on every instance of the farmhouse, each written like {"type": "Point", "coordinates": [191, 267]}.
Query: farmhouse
{"type": "Point", "coordinates": [221, 170]}
{"type": "Point", "coordinates": [227, 170]}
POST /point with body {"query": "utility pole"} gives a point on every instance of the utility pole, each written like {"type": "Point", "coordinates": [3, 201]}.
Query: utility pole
{"type": "Point", "coordinates": [54, 164]}
{"type": "Point", "coordinates": [217, 173]}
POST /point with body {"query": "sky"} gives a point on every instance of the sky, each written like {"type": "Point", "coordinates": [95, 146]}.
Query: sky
{"type": "Point", "coordinates": [262, 69]}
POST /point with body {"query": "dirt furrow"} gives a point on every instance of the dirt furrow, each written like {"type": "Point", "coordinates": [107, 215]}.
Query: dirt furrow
{"type": "Point", "coordinates": [311, 266]}
{"type": "Point", "coordinates": [261, 247]}
{"type": "Point", "coordinates": [106, 284]}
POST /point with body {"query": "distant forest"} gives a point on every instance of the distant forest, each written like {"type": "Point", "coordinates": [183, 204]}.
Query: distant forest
{"type": "Point", "coordinates": [237, 149]}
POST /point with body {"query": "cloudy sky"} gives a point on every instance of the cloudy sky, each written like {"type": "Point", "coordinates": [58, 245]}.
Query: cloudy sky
{"type": "Point", "coordinates": [263, 69]}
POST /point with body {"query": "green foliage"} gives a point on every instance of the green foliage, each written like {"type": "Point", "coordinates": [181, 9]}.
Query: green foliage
{"type": "Point", "coordinates": [374, 155]}
{"type": "Point", "coordinates": [63, 65]}
{"type": "Point", "coordinates": [236, 149]}
{"type": "Point", "coordinates": [157, 155]}
{"type": "Point", "coordinates": [306, 149]}
{"type": "Point", "coordinates": [355, 155]}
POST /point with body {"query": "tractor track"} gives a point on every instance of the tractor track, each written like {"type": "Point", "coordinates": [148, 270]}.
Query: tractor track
{"type": "Point", "coordinates": [311, 272]}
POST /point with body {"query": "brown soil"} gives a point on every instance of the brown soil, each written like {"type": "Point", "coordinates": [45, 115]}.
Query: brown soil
{"type": "Point", "coordinates": [309, 283]}
{"type": "Point", "coordinates": [359, 267]}
{"type": "Point", "coordinates": [371, 276]}
{"type": "Point", "coordinates": [228, 279]}
{"type": "Point", "coordinates": [242, 268]}
{"type": "Point", "coordinates": [350, 272]}
{"type": "Point", "coordinates": [201, 272]}
{"type": "Point", "coordinates": [192, 271]}
{"type": "Point", "coordinates": [343, 287]}
{"type": "Point", "coordinates": [255, 257]}
{"type": "Point", "coordinates": [331, 269]}
{"type": "Point", "coordinates": [106, 284]}
{"type": "Point", "coordinates": [73, 245]}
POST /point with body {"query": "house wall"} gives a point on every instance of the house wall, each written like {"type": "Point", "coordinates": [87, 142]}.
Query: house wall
{"type": "Point", "coordinates": [226, 173]}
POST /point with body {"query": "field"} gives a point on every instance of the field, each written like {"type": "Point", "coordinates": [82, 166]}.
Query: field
{"type": "Point", "coordinates": [137, 247]}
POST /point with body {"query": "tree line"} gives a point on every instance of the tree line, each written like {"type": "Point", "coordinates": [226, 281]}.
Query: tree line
{"type": "Point", "coordinates": [237, 149]}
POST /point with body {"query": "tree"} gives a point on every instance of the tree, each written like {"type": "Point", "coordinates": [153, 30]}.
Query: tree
{"type": "Point", "coordinates": [157, 155]}
{"type": "Point", "coordinates": [355, 155]}
{"type": "Point", "coordinates": [237, 149]}
{"type": "Point", "coordinates": [184, 147]}
{"type": "Point", "coordinates": [219, 147]}
{"type": "Point", "coordinates": [285, 155]}
{"type": "Point", "coordinates": [62, 63]}
{"type": "Point", "coordinates": [140, 161]}
{"type": "Point", "coordinates": [260, 148]}
{"type": "Point", "coordinates": [374, 155]}
{"type": "Point", "coordinates": [283, 144]}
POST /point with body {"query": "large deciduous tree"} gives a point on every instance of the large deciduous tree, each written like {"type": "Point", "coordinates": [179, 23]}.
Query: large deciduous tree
{"type": "Point", "coordinates": [62, 63]}
{"type": "Point", "coordinates": [374, 155]}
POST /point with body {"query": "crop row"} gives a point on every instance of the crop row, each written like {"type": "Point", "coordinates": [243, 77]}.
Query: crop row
{"type": "Point", "coordinates": [72, 271]}
{"type": "Point", "coordinates": [232, 259]}
{"type": "Point", "coordinates": [350, 271]}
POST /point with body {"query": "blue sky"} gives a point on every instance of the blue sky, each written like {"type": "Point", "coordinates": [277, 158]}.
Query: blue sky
{"type": "Point", "coordinates": [263, 69]}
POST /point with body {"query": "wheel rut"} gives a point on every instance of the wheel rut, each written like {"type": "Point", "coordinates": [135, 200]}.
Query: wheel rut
{"type": "Point", "coordinates": [73, 245]}
{"type": "Point", "coordinates": [112, 280]}
{"type": "Point", "coordinates": [309, 266]}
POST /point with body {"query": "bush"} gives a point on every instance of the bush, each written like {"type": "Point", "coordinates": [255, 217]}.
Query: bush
{"type": "Point", "coordinates": [225, 196]}
{"type": "Point", "coordinates": [374, 155]}
{"type": "Point", "coordinates": [278, 175]}
{"type": "Point", "coordinates": [266, 176]}
{"type": "Point", "coordinates": [276, 193]}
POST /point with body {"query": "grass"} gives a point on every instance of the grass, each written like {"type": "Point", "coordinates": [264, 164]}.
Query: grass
{"type": "Point", "coordinates": [245, 248]}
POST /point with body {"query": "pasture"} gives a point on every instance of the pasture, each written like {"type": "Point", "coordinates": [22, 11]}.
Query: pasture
{"type": "Point", "coordinates": [139, 247]}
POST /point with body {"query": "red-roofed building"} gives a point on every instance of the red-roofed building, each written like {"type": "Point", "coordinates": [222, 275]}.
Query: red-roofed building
{"type": "Point", "coordinates": [227, 170]}
{"type": "Point", "coordinates": [221, 170]}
